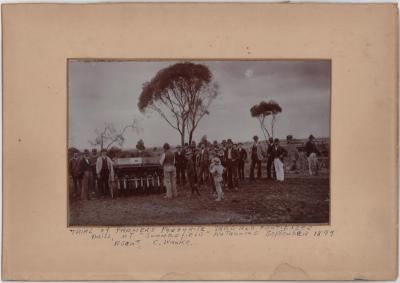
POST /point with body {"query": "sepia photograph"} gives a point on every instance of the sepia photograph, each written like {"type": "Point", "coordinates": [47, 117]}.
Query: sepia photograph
{"type": "Point", "coordinates": [198, 142]}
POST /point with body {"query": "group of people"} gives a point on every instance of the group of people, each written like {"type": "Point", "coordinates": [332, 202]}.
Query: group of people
{"type": "Point", "coordinates": [91, 173]}
{"type": "Point", "coordinates": [222, 165]}
{"type": "Point", "coordinates": [203, 165]}
{"type": "Point", "coordinates": [218, 166]}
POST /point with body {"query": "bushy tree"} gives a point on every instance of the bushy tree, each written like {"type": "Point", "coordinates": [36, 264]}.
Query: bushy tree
{"type": "Point", "coordinates": [181, 94]}
{"type": "Point", "coordinates": [264, 111]}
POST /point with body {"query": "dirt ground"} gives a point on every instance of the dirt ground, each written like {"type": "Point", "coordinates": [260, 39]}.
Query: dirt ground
{"type": "Point", "coordinates": [302, 199]}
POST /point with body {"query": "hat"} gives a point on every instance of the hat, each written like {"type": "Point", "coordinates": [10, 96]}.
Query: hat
{"type": "Point", "coordinates": [230, 141]}
{"type": "Point", "coordinates": [255, 138]}
{"type": "Point", "coordinates": [311, 137]}
{"type": "Point", "coordinates": [86, 151]}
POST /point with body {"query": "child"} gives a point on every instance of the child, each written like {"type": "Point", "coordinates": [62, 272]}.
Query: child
{"type": "Point", "coordinates": [217, 170]}
{"type": "Point", "coordinates": [191, 172]}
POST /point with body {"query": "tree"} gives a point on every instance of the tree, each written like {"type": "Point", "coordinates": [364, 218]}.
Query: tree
{"type": "Point", "coordinates": [181, 94]}
{"type": "Point", "coordinates": [262, 112]}
{"type": "Point", "coordinates": [140, 145]}
{"type": "Point", "coordinates": [109, 136]}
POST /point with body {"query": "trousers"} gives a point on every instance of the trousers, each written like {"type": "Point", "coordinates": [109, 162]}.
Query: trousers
{"type": "Point", "coordinates": [280, 173]}
{"type": "Point", "coordinates": [170, 181]}
{"type": "Point", "coordinates": [313, 164]}
{"type": "Point", "coordinates": [85, 185]}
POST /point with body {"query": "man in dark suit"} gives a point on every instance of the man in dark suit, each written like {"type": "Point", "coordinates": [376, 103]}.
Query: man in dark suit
{"type": "Point", "coordinates": [75, 174]}
{"type": "Point", "coordinates": [204, 163]}
{"type": "Point", "coordinates": [312, 152]}
{"type": "Point", "coordinates": [256, 152]}
{"type": "Point", "coordinates": [231, 159]}
{"type": "Point", "coordinates": [180, 164]}
{"type": "Point", "coordinates": [270, 160]}
{"type": "Point", "coordinates": [242, 160]}
{"type": "Point", "coordinates": [85, 171]}
{"type": "Point", "coordinates": [278, 153]}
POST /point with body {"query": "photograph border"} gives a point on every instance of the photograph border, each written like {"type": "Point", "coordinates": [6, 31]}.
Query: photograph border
{"type": "Point", "coordinates": [111, 59]}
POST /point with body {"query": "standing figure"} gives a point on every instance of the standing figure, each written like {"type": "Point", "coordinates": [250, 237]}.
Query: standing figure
{"type": "Point", "coordinates": [231, 158]}
{"type": "Point", "coordinates": [242, 160]}
{"type": "Point", "coordinates": [180, 164]}
{"type": "Point", "coordinates": [85, 171]}
{"type": "Point", "coordinates": [193, 148]}
{"type": "Point", "coordinates": [221, 156]}
{"type": "Point", "coordinates": [302, 161]}
{"type": "Point", "coordinates": [104, 170]}
{"type": "Point", "coordinates": [311, 152]}
{"type": "Point", "coordinates": [270, 160]}
{"type": "Point", "coordinates": [256, 158]}
{"type": "Point", "coordinates": [216, 169]}
{"type": "Point", "coordinates": [93, 176]}
{"type": "Point", "coordinates": [278, 154]}
{"type": "Point", "coordinates": [204, 163]}
{"type": "Point", "coordinates": [191, 172]}
{"type": "Point", "coordinates": [74, 171]}
{"type": "Point", "coordinates": [223, 162]}
{"type": "Point", "coordinates": [168, 163]}
{"type": "Point", "coordinates": [293, 155]}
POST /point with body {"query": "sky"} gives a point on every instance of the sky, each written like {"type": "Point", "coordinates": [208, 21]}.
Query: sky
{"type": "Point", "coordinates": [102, 92]}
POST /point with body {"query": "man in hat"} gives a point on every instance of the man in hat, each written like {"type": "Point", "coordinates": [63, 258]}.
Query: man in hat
{"type": "Point", "coordinates": [270, 160]}
{"type": "Point", "coordinates": [93, 175]}
{"type": "Point", "coordinates": [231, 158]}
{"type": "Point", "coordinates": [167, 161]}
{"type": "Point", "coordinates": [256, 158]}
{"type": "Point", "coordinates": [191, 172]}
{"type": "Point", "coordinates": [85, 171]}
{"type": "Point", "coordinates": [180, 164]}
{"type": "Point", "coordinates": [105, 172]}
{"type": "Point", "coordinates": [311, 152]}
{"type": "Point", "coordinates": [75, 174]}
{"type": "Point", "coordinates": [242, 160]}
{"type": "Point", "coordinates": [204, 163]}
{"type": "Point", "coordinates": [278, 153]}
{"type": "Point", "coordinates": [293, 154]}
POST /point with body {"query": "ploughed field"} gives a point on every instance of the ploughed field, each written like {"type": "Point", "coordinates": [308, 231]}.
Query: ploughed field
{"type": "Point", "coordinates": [300, 199]}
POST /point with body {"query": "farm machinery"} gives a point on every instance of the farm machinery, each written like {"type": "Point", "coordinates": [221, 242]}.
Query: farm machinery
{"type": "Point", "coordinates": [137, 176]}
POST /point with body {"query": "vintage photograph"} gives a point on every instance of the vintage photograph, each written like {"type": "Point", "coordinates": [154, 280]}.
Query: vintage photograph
{"type": "Point", "coordinates": [198, 142]}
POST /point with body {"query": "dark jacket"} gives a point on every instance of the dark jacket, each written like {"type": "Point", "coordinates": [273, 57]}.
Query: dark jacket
{"type": "Point", "coordinates": [311, 148]}
{"type": "Point", "coordinates": [242, 155]}
{"type": "Point", "coordinates": [74, 167]}
{"type": "Point", "coordinates": [234, 155]}
{"type": "Point", "coordinates": [190, 169]}
{"type": "Point", "coordinates": [278, 152]}
{"type": "Point", "coordinates": [204, 158]}
{"type": "Point", "coordinates": [269, 150]}
{"type": "Point", "coordinates": [84, 166]}
{"type": "Point", "coordinates": [180, 159]}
